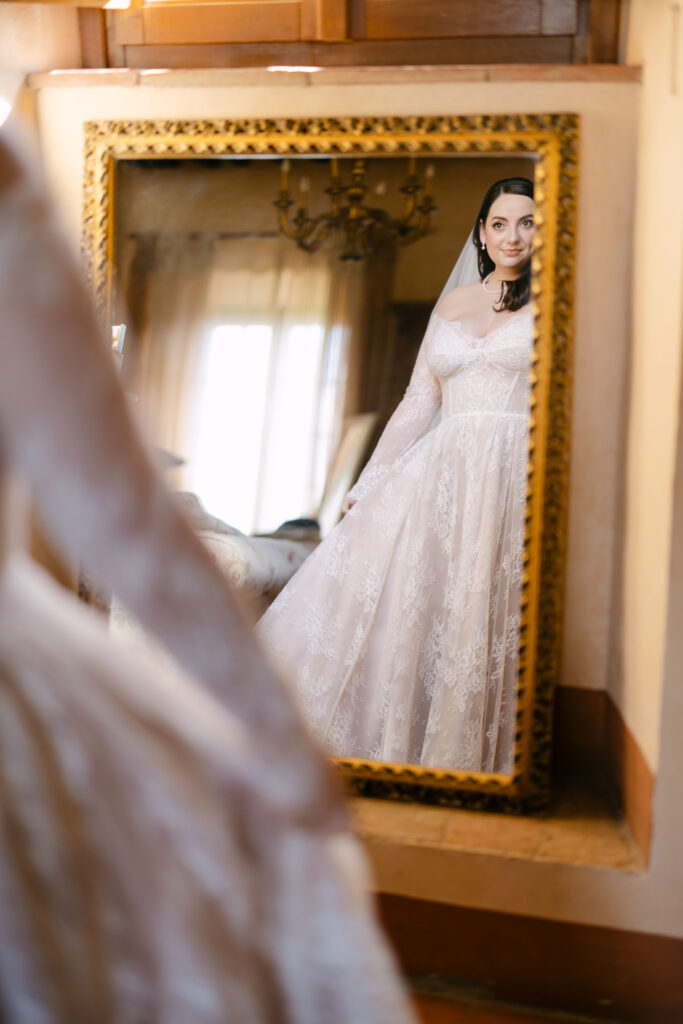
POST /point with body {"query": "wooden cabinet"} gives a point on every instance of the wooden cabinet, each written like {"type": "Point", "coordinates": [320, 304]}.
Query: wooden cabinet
{"type": "Point", "coordinates": [253, 33]}
{"type": "Point", "coordinates": [437, 19]}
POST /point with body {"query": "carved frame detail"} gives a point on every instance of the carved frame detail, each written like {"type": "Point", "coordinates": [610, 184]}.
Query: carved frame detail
{"type": "Point", "coordinates": [552, 140]}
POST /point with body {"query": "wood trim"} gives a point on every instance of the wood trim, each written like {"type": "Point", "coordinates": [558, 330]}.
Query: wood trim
{"type": "Point", "coordinates": [249, 22]}
{"type": "Point", "coordinates": [476, 33]}
{"type": "Point", "coordinates": [357, 21]}
{"type": "Point", "coordinates": [605, 24]}
{"type": "Point", "coordinates": [582, 35]}
{"type": "Point", "coordinates": [579, 734]}
{"type": "Point", "coordinates": [371, 53]}
{"type": "Point", "coordinates": [434, 19]}
{"type": "Point", "coordinates": [116, 53]}
{"type": "Point", "coordinates": [632, 778]}
{"type": "Point", "coordinates": [127, 28]}
{"type": "Point", "coordinates": [591, 740]}
{"type": "Point", "coordinates": [92, 29]}
{"type": "Point", "coordinates": [324, 20]}
{"type": "Point", "coordinates": [221, 78]}
{"type": "Point", "coordinates": [609, 974]}
{"type": "Point", "coordinates": [559, 17]}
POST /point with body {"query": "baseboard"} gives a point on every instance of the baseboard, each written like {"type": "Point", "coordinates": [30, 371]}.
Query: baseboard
{"type": "Point", "coordinates": [602, 972]}
{"type": "Point", "coordinates": [591, 740]}
{"type": "Point", "coordinates": [632, 778]}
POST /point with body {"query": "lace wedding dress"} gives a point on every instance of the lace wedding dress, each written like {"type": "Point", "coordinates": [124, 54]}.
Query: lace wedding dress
{"type": "Point", "coordinates": [400, 632]}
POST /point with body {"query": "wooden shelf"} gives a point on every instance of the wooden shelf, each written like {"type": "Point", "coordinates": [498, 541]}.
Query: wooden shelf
{"type": "Point", "coordinates": [229, 77]}
{"type": "Point", "coordinates": [585, 828]}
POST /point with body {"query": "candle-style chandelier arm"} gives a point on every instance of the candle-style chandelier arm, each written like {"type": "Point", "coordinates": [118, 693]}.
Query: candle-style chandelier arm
{"type": "Point", "coordinates": [308, 233]}
{"type": "Point", "coordinates": [420, 226]}
{"type": "Point", "coordinates": [283, 204]}
{"type": "Point", "coordinates": [416, 211]}
{"type": "Point", "coordinates": [316, 233]}
{"type": "Point", "coordinates": [411, 190]}
{"type": "Point", "coordinates": [360, 226]}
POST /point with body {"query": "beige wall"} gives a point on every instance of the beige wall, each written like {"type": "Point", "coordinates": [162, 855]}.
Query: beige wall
{"type": "Point", "coordinates": [655, 383]}
{"type": "Point", "coordinates": [34, 37]}
{"type": "Point", "coordinates": [38, 37]}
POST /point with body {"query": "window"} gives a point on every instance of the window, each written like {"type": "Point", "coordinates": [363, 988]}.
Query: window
{"type": "Point", "coordinates": [264, 419]}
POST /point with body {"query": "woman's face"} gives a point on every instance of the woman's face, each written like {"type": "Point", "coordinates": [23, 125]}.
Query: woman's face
{"type": "Point", "coordinates": [508, 233]}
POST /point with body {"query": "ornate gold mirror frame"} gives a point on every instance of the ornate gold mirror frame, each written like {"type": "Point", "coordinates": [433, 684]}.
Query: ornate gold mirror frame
{"type": "Point", "coordinates": [552, 140]}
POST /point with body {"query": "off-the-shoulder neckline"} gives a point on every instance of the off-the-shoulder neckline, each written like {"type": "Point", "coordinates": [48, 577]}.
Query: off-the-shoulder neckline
{"type": "Point", "coordinates": [483, 337]}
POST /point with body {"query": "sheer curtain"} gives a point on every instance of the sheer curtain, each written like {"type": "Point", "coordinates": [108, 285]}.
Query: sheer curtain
{"type": "Point", "coordinates": [166, 291]}
{"type": "Point", "coordinates": [270, 381]}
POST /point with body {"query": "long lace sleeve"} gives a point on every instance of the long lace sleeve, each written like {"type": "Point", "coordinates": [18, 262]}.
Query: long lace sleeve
{"type": "Point", "coordinates": [413, 415]}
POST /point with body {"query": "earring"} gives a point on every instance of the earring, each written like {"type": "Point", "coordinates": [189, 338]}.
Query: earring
{"type": "Point", "coordinates": [483, 245]}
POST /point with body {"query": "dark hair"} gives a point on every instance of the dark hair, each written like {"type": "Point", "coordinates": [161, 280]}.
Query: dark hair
{"type": "Point", "coordinates": [515, 293]}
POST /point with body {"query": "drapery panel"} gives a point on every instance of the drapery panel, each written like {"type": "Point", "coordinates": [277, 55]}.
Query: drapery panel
{"type": "Point", "coordinates": [240, 364]}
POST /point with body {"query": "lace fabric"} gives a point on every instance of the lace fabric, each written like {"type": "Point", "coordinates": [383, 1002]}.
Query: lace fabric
{"type": "Point", "coordinates": [399, 634]}
{"type": "Point", "coordinates": [414, 414]}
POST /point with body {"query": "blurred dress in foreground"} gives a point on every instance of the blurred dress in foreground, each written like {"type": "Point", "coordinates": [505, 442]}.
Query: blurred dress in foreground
{"type": "Point", "coordinates": [172, 849]}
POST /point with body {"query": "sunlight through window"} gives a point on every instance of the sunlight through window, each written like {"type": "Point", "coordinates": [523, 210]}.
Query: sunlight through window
{"type": "Point", "coordinates": [231, 405]}
{"type": "Point", "coordinates": [289, 460]}
{"type": "Point", "coordinates": [256, 454]}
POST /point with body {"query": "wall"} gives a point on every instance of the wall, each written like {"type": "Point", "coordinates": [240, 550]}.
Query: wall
{"type": "Point", "coordinates": [655, 380]}
{"type": "Point", "coordinates": [34, 37]}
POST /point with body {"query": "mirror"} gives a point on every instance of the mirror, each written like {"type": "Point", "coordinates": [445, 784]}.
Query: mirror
{"type": "Point", "coordinates": [264, 374]}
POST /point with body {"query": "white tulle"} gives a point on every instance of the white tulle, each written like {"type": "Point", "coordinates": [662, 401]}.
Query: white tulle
{"type": "Point", "coordinates": [399, 634]}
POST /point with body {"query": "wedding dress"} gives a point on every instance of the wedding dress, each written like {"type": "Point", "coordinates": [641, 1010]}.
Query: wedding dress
{"type": "Point", "coordinates": [173, 849]}
{"type": "Point", "coordinates": [400, 633]}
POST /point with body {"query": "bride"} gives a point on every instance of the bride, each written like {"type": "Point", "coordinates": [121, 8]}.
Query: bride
{"type": "Point", "coordinates": [400, 632]}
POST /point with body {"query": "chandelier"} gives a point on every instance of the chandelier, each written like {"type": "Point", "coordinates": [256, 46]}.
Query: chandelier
{"type": "Point", "coordinates": [358, 226]}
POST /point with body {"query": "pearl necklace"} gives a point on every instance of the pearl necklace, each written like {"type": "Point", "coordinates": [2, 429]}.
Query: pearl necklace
{"type": "Point", "coordinates": [492, 291]}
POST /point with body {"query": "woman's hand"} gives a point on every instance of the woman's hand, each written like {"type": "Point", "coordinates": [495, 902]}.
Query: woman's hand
{"type": "Point", "coordinates": [347, 504]}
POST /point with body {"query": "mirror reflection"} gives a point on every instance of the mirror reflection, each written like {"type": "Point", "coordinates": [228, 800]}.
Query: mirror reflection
{"type": "Point", "coordinates": [265, 375]}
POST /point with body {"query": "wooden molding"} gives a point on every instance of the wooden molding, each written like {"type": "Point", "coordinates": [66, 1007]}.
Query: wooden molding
{"type": "Point", "coordinates": [372, 53]}
{"type": "Point", "coordinates": [92, 29]}
{"type": "Point", "coordinates": [234, 33]}
{"type": "Point", "coordinates": [591, 740]}
{"type": "Point", "coordinates": [253, 21]}
{"type": "Point", "coordinates": [126, 28]}
{"type": "Point", "coordinates": [631, 776]}
{"type": "Point", "coordinates": [222, 78]}
{"type": "Point", "coordinates": [324, 20]}
{"type": "Point", "coordinates": [243, 33]}
{"type": "Point", "coordinates": [609, 974]}
{"type": "Point", "coordinates": [357, 21]}
{"type": "Point", "coordinates": [583, 32]}
{"type": "Point", "coordinates": [435, 19]}
{"type": "Point", "coordinates": [559, 17]}
{"type": "Point", "coordinates": [605, 22]}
